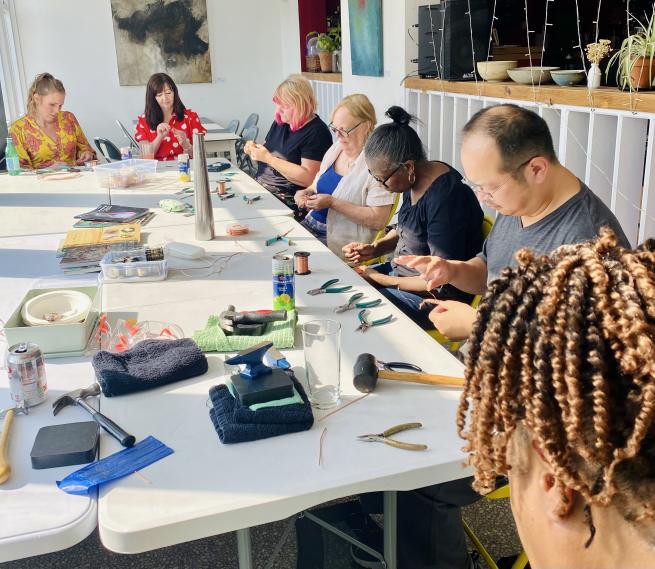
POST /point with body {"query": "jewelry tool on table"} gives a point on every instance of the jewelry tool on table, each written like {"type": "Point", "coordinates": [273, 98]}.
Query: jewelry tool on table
{"type": "Point", "coordinates": [251, 200]}
{"type": "Point", "coordinates": [352, 303]}
{"type": "Point", "coordinates": [385, 437]}
{"type": "Point", "coordinates": [327, 287]}
{"type": "Point", "coordinates": [280, 237]}
{"type": "Point", "coordinates": [365, 323]}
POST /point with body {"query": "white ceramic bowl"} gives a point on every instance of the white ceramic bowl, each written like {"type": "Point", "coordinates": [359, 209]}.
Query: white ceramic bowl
{"type": "Point", "coordinates": [495, 70]}
{"type": "Point", "coordinates": [529, 75]}
{"type": "Point", "coordinates": [56, 307]}
{"type": "Point", "coordinates": [568, 77]}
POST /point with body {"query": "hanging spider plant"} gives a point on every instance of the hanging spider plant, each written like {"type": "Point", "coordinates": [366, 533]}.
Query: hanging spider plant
{"type": "Point", "coordinates": [636, 56]}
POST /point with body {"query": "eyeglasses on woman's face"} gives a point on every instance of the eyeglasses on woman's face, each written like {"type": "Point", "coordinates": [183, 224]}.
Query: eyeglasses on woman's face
{"type": "Point", "coordinates": [481, 191]}
{"type": "Point", "coordinates": [343, 132]}
{"type": "Point", "coordinates": [383, 181]}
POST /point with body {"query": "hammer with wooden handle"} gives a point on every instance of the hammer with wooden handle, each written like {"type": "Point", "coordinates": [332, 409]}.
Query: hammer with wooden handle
{"type": "Point", "coordinates": [8, 414]}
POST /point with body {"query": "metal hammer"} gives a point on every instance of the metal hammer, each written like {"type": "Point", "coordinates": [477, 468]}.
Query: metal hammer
{"type": "Point", "coordinates": [8, 414]}
{"type": "Point", "coordinates": [77, 398]}
{"type": "Point", "coordinates": [366, 373]}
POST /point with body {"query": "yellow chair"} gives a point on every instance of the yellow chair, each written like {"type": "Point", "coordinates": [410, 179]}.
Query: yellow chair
{"type": "Point", "coordinates": [380, 234]}
{"type": "Point", "coordinates": [487, 224]}
{"type": "Point", "coordinates": [522, 559]}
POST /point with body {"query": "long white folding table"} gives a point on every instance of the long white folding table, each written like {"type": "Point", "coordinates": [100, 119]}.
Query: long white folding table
{"type": "Point", "coordinates": [206, 488]}
{"type": "Point", "coordinates": [222, 142]}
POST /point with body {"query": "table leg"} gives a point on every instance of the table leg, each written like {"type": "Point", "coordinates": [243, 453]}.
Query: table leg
{"type": "Point", "coordinates": [390, 529]}
{"type": "Point", "coordinates": [244, 548]}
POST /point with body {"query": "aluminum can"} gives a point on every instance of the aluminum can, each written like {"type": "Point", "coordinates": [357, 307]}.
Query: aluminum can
{"type": "Point", "coordinates": [283, 283]}
{"type": "Point", "coordinates": [27, 382]}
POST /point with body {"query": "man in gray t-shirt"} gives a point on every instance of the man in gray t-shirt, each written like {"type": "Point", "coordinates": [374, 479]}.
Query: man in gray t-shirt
{"type": "Point", "coordinates": [509, 161]}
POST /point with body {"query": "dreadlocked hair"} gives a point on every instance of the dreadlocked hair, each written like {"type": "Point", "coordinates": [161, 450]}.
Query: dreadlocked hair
{"type": "Point", "coordinates": [564, 345]}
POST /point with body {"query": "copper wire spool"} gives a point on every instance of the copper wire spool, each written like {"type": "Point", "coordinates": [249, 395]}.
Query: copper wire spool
{"type": "Point", "coordinates": [302, 262]}
{"type": "Point", "coordinates": [237, 229]}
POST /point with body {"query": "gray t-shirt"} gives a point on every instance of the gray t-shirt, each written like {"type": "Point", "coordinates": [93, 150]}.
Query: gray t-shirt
{"type": "Point", "coordinates": [578, 219]}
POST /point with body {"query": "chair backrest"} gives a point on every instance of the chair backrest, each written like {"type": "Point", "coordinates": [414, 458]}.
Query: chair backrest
{"type": "Point", "coordinates": [250, 133]}
{"type": "Point", "coordinates": [108, 149]}
{"type": "Point", "coordinates": [233, 126]}
{"type": "Point", "coordinates": [252, 120]}
{"type": "Point", "coordinates": [128, 135]}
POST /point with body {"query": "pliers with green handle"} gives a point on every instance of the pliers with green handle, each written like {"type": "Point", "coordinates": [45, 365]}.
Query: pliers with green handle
{"type": "Point", "coordinates": [352, 303]}
{"type": "Point", "coordinates": [384, 437]}
{"type": "Point", "coordinates": [327, 287]}
{"type": "Point", "coordinates": [365, 323]}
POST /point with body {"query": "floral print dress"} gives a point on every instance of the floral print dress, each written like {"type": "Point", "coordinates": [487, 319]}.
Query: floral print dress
{"type": "Point", "coordinates": [170, 147]}
{"type": "Point", "coordinates": [37, 150]}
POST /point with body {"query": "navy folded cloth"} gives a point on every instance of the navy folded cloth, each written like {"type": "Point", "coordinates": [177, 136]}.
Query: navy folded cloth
{"type": "Point", "coordinates": [149, 364]}
{"type": "Point", "coordinates": [236, 423]}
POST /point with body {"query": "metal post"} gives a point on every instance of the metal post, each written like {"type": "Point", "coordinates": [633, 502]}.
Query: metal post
{"type": "Point", "coordinates": [244, 548]}
{"type": "Point", "coordinates": [390, 528]}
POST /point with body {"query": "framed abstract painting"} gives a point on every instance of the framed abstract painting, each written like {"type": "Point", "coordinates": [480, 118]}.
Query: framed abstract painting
{"type": "Point", "coordinates": [366, 37]}
{"type": "Point", "coordinates": [169, 36]}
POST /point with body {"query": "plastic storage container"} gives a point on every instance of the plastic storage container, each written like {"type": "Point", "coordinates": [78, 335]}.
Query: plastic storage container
{"type": "Point", "coordinates": [125, 173]}
{"type": "Point", "coordinates": [134, 271]}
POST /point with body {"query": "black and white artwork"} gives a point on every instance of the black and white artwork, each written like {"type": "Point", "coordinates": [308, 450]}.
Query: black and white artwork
{"type": "Point", "coordinates": [170, 36]}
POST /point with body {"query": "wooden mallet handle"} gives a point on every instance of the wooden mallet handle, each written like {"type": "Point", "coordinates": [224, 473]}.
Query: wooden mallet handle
{"type": "Point", "coordinates": [421, 377]}
{"type": "Point", "coordinates": [5, 469]}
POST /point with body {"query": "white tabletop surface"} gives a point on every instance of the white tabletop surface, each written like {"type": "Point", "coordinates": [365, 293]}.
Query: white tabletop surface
{"type": "Point", "coordinates": [30, 205]}
{"type": "Point", "coordinates": [206, 487]}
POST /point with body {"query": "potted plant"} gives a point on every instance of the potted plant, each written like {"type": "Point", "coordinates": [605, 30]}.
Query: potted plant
{"type": "Point", "coordinates": [326, 45]}
{"type": "Point", "coordinates": [636, 69]}
{"type": "Point", "coordinates": [595, 53]}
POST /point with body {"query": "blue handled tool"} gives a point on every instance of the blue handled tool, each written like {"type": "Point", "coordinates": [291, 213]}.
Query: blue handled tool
{"type": "Point", "coordinates": [352, 303]}
{"type": "Point", "coordinates": [327, 287]}
{"type": "Point", "coordinates": [280, 237]}
{"type": "Point", "coordinates": [365, 323]}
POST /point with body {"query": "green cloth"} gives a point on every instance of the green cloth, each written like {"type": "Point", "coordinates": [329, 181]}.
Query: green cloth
{"type": "Point", "coordinates": [213, 339]}
{"type": "Point", "coordinates": [293, 400]}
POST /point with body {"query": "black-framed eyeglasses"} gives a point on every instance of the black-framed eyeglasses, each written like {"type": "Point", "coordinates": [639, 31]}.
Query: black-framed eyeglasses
{"type": "Point", "coordinates": [342, 131]}
{"type": "Point", "coordinates": [384, 182]}
{"type": "Point", "coordinates": [490, 193]}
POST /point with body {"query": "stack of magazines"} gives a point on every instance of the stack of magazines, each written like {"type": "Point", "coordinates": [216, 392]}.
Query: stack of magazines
{"type": "Point", "coordinates": [107, 214]}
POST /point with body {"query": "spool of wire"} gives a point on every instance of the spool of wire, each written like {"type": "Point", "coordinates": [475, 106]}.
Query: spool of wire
{"type": "Point", "coordinates": [237, 229]}
{"type": "Point", "coordinates": [302, 262]}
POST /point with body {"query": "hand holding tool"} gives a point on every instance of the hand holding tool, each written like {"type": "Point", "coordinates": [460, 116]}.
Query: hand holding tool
{"type": "Point", "coordinates": [77, 398]}
{"type": "Point", "coordinates": [327, 287]}
{"type": "Point", "coordinates": [352, 303]}
{"type": "Point", "coordinates": [365, 323]}
{"type": "Point", "coordinates": [280, 237]}
{"type": "Point", "coordinates": [366, 373]}
{"type": "Point", "coordinates": [385, 437]}
{"type": "Point", "coordinates": [8, 414]}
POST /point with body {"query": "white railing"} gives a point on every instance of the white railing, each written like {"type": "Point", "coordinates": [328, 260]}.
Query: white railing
{"type": "Point", "coordinates": [610, 150]}
{"type": "Point", "coordinates": [328, 94]}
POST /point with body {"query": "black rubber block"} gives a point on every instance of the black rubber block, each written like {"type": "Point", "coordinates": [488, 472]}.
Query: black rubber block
{"type": "Point", "coordinates": [63, 445]}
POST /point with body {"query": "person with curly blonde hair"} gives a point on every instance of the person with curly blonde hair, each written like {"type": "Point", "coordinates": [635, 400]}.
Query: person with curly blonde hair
{"type": "Point", "coordinates": [559, 396]}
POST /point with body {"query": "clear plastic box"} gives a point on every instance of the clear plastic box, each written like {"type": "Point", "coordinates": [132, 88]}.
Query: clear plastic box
{"type": "Point", "coordinates": [125, 173]}
{"type": "Point", "coordinates": [134, 271]}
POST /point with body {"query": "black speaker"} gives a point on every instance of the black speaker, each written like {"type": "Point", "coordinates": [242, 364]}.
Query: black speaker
{"type": "Point", "coordinates": [444, 45]}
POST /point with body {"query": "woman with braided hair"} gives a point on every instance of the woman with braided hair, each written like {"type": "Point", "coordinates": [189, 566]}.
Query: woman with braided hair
{"type": "Point", "coordinates": [560, 396]}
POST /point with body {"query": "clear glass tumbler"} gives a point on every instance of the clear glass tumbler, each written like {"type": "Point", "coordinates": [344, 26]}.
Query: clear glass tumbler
{"type": "Point", "coordinates": [322, 347]}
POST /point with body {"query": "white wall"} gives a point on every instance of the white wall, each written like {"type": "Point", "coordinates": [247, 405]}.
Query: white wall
{"type": "Point", "coordinates": [397, 16]}
{"type": "Point", "coordinates": [253, 47]}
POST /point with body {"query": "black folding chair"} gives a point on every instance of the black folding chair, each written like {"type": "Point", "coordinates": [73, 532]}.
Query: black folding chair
{"type": "Point", "coordinates": [243, 160]}
{"type": "Point", "coordinates": [108, 149]}
{"type": "Point", "coordinates": [233, 126]}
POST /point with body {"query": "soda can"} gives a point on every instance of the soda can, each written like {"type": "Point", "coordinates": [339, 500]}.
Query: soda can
{"type": "Point", "coordinates": [283, 283]}
{"type": "Point", "coordinates": [27, 382]}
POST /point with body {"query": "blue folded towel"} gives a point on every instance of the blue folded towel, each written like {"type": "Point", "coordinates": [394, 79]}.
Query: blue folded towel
{"type": "Point", "coordinates": [236, 423]}
{"type": "Point", "coordinates": [149, 364]}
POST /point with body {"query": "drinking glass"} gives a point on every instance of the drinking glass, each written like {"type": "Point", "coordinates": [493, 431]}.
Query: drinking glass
{"type": "Point", "coordinates": [147, 150]}
{"type": "Point", "coordinates": [322, 348]}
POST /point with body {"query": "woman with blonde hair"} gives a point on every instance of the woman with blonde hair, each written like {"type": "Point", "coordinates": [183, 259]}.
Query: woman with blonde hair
{"type": "Point", "coordinates": [46, 135]}
{"type": "Point", "coordinates": [345, 203]}
{"type": "Point", "coordinates": [559, 396]}
{"type": "Point", "coordinates": [295, 144]}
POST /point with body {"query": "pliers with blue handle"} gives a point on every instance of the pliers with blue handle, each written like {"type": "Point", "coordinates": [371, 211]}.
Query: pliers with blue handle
{"type": "Point", "coordinates": [365, 323]}
{"type": "Point", "coordinates": [352, 303]}
{"type": "Point", "coordinates": [327, 287]}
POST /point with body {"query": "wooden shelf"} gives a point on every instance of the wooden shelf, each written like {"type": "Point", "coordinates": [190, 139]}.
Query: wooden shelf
{"type": "Point", "coordinates": [330, 77]}
{"type": "Point", "coordinates": [602, 98]}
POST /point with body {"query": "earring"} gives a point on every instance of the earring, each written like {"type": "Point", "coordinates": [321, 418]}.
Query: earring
{"type": "Point", "coordinates": [412, 179]}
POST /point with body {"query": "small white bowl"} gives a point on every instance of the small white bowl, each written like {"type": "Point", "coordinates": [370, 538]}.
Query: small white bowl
{"type": "Point", "coordinates": [532, 75]}
{"type": "Point", "coordinates": [495, 70]}
{"type": "Point", "coordinates": [56, 307]}
{"type": "Point", "coordinates": [568, 77]}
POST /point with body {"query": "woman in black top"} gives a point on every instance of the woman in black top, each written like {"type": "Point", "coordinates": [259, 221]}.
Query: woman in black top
{"type": "Point", "coordinates": [290, 157]}
{"type": "Point", "coordinates": [438, 213]}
